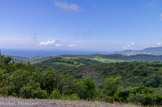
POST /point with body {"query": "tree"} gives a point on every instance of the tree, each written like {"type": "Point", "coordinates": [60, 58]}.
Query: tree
{"type": "Point", "coordinates": [90, 89]}
{"type": "Point", "coordinates": [32, 90]}
{"type": "Point", "coordinates": [111, 85]}
{"type": "Point", "coordinates": [49, 81]}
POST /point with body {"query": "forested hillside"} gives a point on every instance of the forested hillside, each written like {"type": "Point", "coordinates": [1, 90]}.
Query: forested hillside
{"type": "Point", "coordinates": [85, 79]}
{"type": "Point", "coordinates": [133, 73]}
{"type": "Point", "coordinates": [106, 58]}
{"type": "Point", "coordinates": [32, 60]}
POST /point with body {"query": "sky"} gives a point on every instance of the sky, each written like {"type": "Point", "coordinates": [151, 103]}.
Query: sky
{"type": "Point", "coordinates": [93, 25]}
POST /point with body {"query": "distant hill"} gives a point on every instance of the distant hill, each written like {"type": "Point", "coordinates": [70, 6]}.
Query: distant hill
{"type": "Point", "coordinates": [102, 58]}
{"type": "Point", "coordinates": [65, 64]}
{"type": "Point", "coordinates": [107, 58]}
{"type": "Point", "coordinates": [152, 54]}
{"type": "Point", "coordinates": [150, 51]}
{"type": "Point", "coordinates": [133, 73]}
{"type": "Point", "coordinates": [153, 50]}
{"type": "Point", "coordinates": [32, 60]}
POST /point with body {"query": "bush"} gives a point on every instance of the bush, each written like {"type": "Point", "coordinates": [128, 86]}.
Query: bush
{"type": "Point", "coordinates": [121, 95]}
{"type": "Point", "coordinates": [90, 89]}
{"type": "Point", "coordinates": [55, 94]}
{"type": "Point", "coordinates": [70, 97]}
{"type": "Point", "coordinates": [141, 90]}
{"type": "Point", "coordinates": [32, 90]}
{"type": "Point", "coordinates": [39, 93]}
{"type": "Point", "coordinates": [74, 97]}
{"type": "Point", "coordinates": [111, 85]}
{"type": "Point", "coordinates": [144, 96]}
{"type": "Point", "coordinates": [4, 91]}
{"type": "Point", "coordinates": [145, 99]}
{"type": "Point", "coordinates": [7, 91]}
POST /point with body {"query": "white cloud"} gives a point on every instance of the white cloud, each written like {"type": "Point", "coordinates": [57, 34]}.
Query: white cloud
{"type": "Point", "coordinates": [57, 45]}
{"type": "Point", "coordinates": [132, 44]}
{"type": "Point", "coordinates": [66, 6]}
{"type": "Point", "coordinates": [72, 45]}
{"type": "Point", "coordinates": [129, 46]}
{"type": "Point", "coordinates": [159, 44]}
{"type": "Point", "coordinates": [126, 48]}
{"type": "Point", "coordinates": [50, 42]}
{"type": "Point", "coordinates": [46, 43]}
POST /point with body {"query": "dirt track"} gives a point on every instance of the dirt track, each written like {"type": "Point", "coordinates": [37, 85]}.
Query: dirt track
{"type": "Point", "coordinates": [15, 102]}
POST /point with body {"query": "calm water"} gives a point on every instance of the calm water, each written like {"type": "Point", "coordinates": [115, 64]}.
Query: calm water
{"type": "Point", "coordinates": [32, 53]}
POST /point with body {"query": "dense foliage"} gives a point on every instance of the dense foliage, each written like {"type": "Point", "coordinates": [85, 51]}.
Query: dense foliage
{"type": "Point", "coordinates": [133, 73]}
{"type": "Point", "coordinates": [135, 82]}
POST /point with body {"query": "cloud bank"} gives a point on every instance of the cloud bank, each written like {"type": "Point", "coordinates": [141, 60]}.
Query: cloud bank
{"type": "Point", "coordinates": [57, 45]}
{"type": "Point", "coordinates": [46, 43]}
{"type": "Point", "coordinates": [159, 44]}
{"type": "Point", "coordinates": [72, 45]}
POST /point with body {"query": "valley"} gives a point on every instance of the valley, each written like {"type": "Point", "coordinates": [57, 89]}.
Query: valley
{"type": "Point", "coordinates": [115, 78]}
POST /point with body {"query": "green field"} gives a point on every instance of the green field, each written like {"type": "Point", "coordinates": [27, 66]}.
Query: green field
{"type": "Point", "coordinates": [105, 60]}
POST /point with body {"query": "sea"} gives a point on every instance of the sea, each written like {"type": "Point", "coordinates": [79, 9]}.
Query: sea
{"type": "Point", "coordinates": [33, 53]}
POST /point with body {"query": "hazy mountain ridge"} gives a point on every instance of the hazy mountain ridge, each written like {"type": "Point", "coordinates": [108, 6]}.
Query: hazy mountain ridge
{"type": "Point", "coordinates": [150, 51]}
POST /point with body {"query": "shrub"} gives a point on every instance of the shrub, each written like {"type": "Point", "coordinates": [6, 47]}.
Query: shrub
{"type": "Point", "coordinates": [55, 94]}
{"type": "Point", "coordinates": [74, 97]}
{"type": "Point", "coordinates": [4, 91]}
{"type": "Point", "coordinates": [144, 96]}
{"type": "Point", "coordinates": [111, 85]}
{"type": "Point", "coordinates": [32, 90]}
{"type": "Point", "coordinates": [121, 95]}
{"type": "Point", "coordinates": [7, 91]}
{"type": "Point", "coordinates": [39, 93]}
{"type": "Point", "coordinates": [90, 89]}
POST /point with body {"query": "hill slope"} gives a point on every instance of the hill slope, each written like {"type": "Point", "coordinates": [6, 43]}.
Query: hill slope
{"type": "Point", "coordinates": [107, 58]}
{"type": "Point", "coordinates": [65, 64]}
{"type": "Point", "coordinates": [150, 51]}
{"type": "Point", "coordinates": [133, 73]}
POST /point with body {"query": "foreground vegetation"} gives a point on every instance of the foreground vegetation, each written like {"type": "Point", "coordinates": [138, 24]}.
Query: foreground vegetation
{"type": "Point", "coordinates": [124, 82]}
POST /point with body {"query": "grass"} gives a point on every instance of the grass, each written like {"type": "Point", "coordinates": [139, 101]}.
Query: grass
{"type": "Point", "coordinates": [105, 60]}
{"type": "Point", "coordinates": [99, 59]}
{"type": "Point", "coordinates": [63, 63]}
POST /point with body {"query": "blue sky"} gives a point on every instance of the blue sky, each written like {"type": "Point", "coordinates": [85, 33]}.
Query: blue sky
{"type": "Point", "coordinates": [98, 25]}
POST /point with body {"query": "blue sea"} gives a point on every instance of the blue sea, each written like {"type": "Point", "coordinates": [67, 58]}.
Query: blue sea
{"type": "Point", "coordinates": [32, 53]}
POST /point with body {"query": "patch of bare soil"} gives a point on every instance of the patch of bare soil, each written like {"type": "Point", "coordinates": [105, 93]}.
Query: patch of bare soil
{"type": "Point", "coordinates": [16, 102]}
